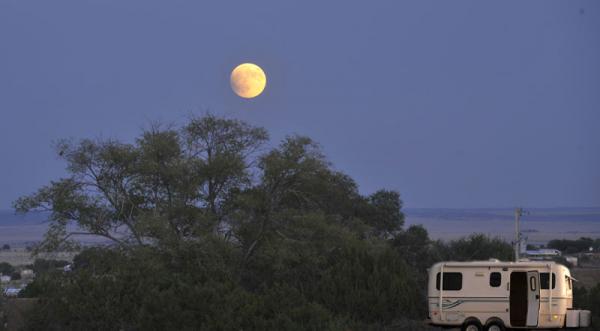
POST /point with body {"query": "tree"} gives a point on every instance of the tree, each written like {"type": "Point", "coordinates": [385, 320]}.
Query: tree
{"type": "Point", "coordinates": [475, 247]}
{"type": "Point", "coordinates": [416, 248]}
{"type": "Point", "coordinates": [6, 269]}
{"type": "Point", "coordinates": [573, 246]}
{"type": "Point", "coordinates": [42, 266]}
{"type": "Point", "coordinates": [295, 180]}
{"type": "Point", "coordinates": [167, 186]}
{"type": "Point", "coordinates": [274, 239]}
{"type": "Point", "coordinates": [222, 149]}
{"type": "Point", "coordinates": [385, 215]}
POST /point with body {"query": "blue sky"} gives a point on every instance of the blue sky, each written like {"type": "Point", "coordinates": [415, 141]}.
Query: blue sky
{"type": "Point", "coordinates": [452, 103]}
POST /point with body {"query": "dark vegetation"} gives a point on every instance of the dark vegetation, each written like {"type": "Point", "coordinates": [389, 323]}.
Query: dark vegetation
{"type": "Point", "coordinates": [6, 268]}
{"type": "Point", "coordinates": [211, 230]}
{"type": "Point", "coordinates": [41, 266]}
{"type": "Point", "coordinates": [580, 245]}
{"type": "Point", "coordinates": [588, 299]}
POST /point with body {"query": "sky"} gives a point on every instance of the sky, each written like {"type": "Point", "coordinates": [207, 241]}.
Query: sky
{"type": "Point", "coordinates": [455, 104]}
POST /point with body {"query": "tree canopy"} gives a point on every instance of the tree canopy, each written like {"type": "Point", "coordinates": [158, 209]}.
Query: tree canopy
{"type": "Point", "coordinates": [210, 229]}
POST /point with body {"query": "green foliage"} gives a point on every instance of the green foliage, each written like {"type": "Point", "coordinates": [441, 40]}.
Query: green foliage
{"type": "Point", "coordinates": [41, 266]}
{"type": "Point", "coordinates": [567, 246]}
{"type": "Point", "coordinates": [385, 215]}
{"type": "Point", "coordinates": [475, 247]}
{"type": "Point", "coordinates": [169, 185]}
{"type": "Point", "coordinates": [416, 248]}
{"type": "Point", "coordinates": [588, 299]}
{"type": "Point", "coordinates": [209, 232]}
{"type": "Point", "coordinates": [3, 315]}
{"type": "Point", "coordinates": [6, 268]}
{"type": "Point", "coordinates": [190, 288]}
{"type": "Point", "coordinates": [304, 285]}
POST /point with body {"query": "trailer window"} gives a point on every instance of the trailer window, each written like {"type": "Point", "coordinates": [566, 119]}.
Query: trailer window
{"type": "Point", "coordinates": [452, 281]}
{"type": "Point", "coordinates": [495, 279]}
{"type": "Point", "coordinates": [545, 281]}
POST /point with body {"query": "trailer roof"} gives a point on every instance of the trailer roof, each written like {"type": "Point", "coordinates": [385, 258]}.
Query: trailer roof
{"type": "Point", "coordinates": [501, 264]}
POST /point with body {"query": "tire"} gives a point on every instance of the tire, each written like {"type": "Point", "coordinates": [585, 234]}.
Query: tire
{"type": "Point", "coordinates": [472, 325]}
{"type": "Point", "coordinates": [495, 326]}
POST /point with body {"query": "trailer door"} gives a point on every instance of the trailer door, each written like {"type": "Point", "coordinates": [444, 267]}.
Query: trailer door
{"type": "Point", "coordinates": [533, 298]}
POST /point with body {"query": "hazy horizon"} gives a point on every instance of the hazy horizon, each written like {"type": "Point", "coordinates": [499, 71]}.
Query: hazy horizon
{"type": "Point", "coordinates": [539, 226]}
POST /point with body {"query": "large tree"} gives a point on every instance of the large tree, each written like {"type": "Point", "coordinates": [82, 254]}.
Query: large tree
{"type": "Point", "coordinates": [269, 239]}
{"type": "Point", "coordinates": [168, 185]}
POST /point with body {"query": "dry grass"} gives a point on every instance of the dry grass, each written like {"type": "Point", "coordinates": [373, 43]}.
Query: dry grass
{"type": "Point", "coordinates": [21, 257]}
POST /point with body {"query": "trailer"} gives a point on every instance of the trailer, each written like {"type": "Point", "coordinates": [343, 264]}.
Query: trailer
{"type": "Point", "coordinates": [494, 295]}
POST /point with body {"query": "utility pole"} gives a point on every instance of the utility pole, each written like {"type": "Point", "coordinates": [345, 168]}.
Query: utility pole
{"type": "Point", "coordinates": [518, 214]}
{"type": "Point", "coordinates": [517, 239]}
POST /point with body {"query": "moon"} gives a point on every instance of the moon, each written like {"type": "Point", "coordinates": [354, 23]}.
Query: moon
{"type": "Point", "coordinates": [248, 80]}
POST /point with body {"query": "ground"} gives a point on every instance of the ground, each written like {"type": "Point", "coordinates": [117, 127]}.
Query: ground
{"type": "Point", "coordinates": [14, 309]}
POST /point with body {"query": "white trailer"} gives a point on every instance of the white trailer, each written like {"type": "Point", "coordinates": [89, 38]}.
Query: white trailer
{"type": "Point", "coordinates": [492, 295]}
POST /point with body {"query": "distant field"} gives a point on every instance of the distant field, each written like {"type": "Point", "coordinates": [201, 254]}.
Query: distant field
{"type": "Point", "coordinates": [20, 231]}
{"type": "Point", "coordinates": [18, 257]}
{"type": "Point", "coordinates": [540, 225]}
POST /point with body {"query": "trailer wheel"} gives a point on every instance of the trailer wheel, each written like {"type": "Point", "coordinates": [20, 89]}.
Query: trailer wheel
{"type": "Point", "coordinates": [495, 326]}
{"type": "Point", "coordinates": [472, 325]}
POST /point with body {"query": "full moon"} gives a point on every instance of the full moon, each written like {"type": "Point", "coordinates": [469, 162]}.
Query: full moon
{"type": "Point", "coordinates": [248, 80]}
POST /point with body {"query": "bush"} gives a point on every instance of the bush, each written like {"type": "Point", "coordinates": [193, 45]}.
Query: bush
{"type": "Point", "coordinates": [41, 266]}
{"type": "Point", "coordinates": [475, 247]}
{"type": "Point", "coordinates": [152, 290]}
{"type": "Point", "coordinates": [6, 268]}
{"type": "Point", "coordinates": [590, 300]}
{"type": "Point", "coordinates": [301, 286]}
{"type": "Point", "coordinates": [567, 246]}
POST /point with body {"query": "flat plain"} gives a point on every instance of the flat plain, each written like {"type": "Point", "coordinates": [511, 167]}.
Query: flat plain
{"type": "Point", "coordinates": [538, 225]}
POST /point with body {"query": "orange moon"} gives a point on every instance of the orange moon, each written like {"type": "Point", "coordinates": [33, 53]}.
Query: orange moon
{"type": "Point", "coordinates": [248, 80]}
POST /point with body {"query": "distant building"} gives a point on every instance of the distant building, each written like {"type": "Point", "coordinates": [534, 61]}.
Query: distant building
{"type": "Point", "coordinates": [27, 273]}
{"type": "Point", "coordinates": [12, 292]}
{"type": "Point", "coordinates": [543, 253]}
{"type": "Point", "coordinates": [572, 260]}
{"type": "Point", "coordinates": [538, 254]}
{"type": "Point", "coordinates": [5, 279]}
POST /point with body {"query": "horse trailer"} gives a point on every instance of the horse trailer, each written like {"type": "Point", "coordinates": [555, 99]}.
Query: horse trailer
{"type": "Point", "coordinates": [493, 295]}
